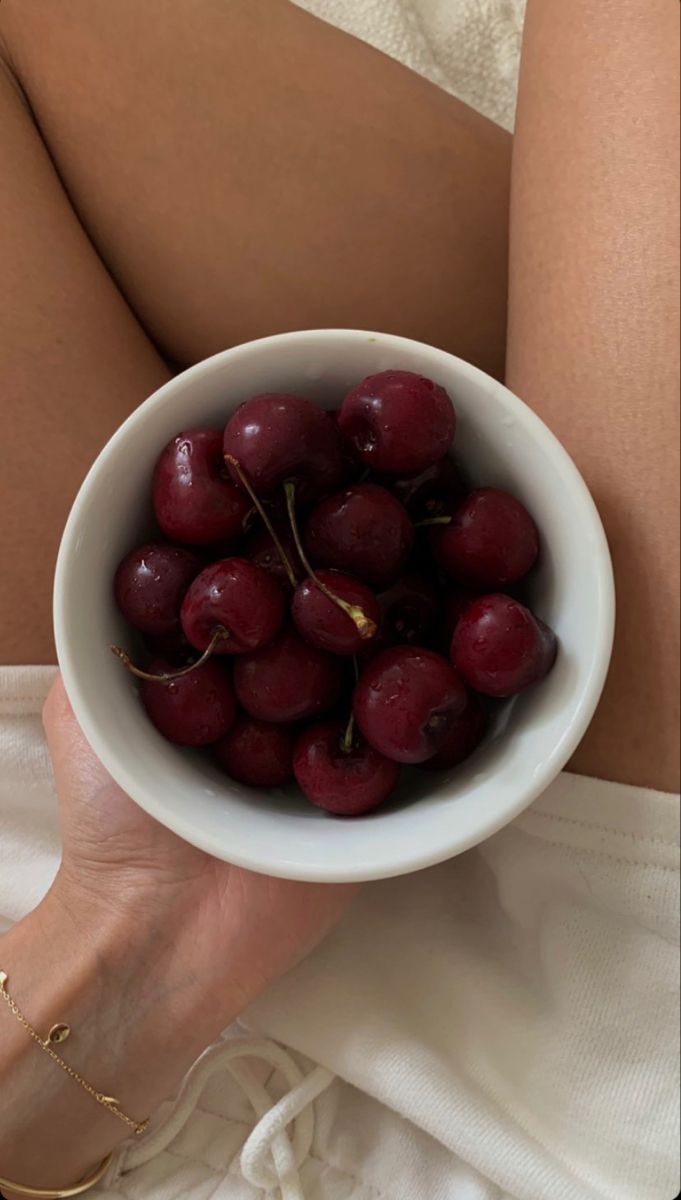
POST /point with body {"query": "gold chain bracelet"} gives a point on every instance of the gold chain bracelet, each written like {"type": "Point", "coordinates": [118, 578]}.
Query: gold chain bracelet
{"type": "Point", "coordinates": [59, 1033]}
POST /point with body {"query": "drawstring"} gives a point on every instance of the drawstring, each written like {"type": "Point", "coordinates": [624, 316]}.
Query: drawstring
{"type": "Point", "coordinates": [270, 1131]}
{"type": "Point", "coordinates": [270, 1159]}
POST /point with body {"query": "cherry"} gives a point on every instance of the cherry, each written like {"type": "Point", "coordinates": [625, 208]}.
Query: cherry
{"type": "Point", "coordinates": [371, 648]}
{"type": "Point", "coordinates": [364, 624]}
{"type": "Point", "coordinates": [277, 438]}
{"type": "Point", "coordinates": [194, 500]}
{"type": "Point", "coordinates": [352, 468]}
{"type": "Point", "coordinates": [282, 454]}
{"type": "Point", "coordinates": [464, 736]}
{"type": "Point", "coordinates": [398, 422]}
{"type": "Point", "coordinates": [238, 598]}
{"type": "Point", "coordinates": [432, 493]}
{"type": "Point", "coordinates": [257, 753]}
{"type": "Point", "coordinates": [347, 780]}
{"type": "Point", "coordinates": [406, 702]}
{"type": "Point", "coordinates": [193, 710]}
{"type": "Point", "coordinates": [363, 531]}
{"type": "Point", "coordinates": [260, 549]}
{"type": "Point", "coordinates": [150, 583]}
{"type": "Point", "coordinates": [456, 602]}
{"type": "Point", "coordinates": [287, 680]}
{"type": "Point", "coordinates": [322, 623]}
{"type": "Point", "coordinates": [409, 610]}
{"type": "Point", "coordinates": [491, 541]}
{"type": "Point", "coordinates": [173, 648]}
{"type": "Point", "coordinates": [500, 646]}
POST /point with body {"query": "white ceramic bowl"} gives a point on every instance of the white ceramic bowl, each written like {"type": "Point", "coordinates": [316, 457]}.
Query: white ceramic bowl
{"type": "Point", "coordinates": [501, 442]}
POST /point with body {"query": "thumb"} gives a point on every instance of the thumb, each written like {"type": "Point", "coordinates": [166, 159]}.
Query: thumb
{"type": "Point", "coordinates": [77, 770]}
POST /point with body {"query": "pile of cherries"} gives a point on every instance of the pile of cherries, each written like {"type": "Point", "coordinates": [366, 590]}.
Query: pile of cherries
{"type": "Point", "coordinates": [328, 600]}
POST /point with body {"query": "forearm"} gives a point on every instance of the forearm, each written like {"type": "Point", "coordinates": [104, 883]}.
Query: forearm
{"type": "Point", "coordinates": [139, 1018]}
{"type": "Point", "coordinates": [147, 947]}
{"type": "Point", "coordinates": [593, 337]}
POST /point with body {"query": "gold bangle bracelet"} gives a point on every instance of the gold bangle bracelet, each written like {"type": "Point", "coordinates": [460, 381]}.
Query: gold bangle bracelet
{"type": "Point", "coordinates": [60, 1193]}
{"type": "Point", "coordinates": [59, 1033]}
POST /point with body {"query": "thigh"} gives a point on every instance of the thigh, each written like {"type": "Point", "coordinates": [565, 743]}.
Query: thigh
{"type": "Point", "coordinates": [73, 363]}
{"type": "Point", "coordinates": [594, 325]}
{"type": "Point", "coordinates": [244, 168]}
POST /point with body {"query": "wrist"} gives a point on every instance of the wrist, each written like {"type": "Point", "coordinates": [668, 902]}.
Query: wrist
{"type": "Point", "coordinates": [138, 1021]}
{"type": "Point", "coordinates": [164, 996]}
{"type": "Point", "coordinates": [150, 936]}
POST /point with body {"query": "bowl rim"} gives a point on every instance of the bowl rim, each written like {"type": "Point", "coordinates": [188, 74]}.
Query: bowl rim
{"type": "Point", "coordinates": [413, 857]}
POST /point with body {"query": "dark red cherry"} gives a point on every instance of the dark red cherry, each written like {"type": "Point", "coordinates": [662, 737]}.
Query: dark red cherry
{"type": "Point", "coordinates": [195, 709]}
{"type": "Point", "coordinates": [352, 467]}
{"type": "Point", "coordinates": [410, 610]}
{"type": "Point", "coordinates": [464, 737]}
{"type": "Point", "coordinates": [347, 782]}
{"type": "Point", "coordinates": [150, 583]}
{"type": "Point", "coordinates": [456, 601]}
{"type": "Point", "coordinates": [322, 623]}
{"type": "Point", "coordinates": [398, 422]}
{"type": "Point", "coordinates": [362, 531]}
{"type": "Point", "coordinates": [277, 438]}
{"type": "Point", "coordinates": [238, 597]}
{"type": "Point", "coordinates": [432, 493]}
{"type": "Point", "coordinates": [371, 648]}
{"type": "Point", "coordinates": [257, 753]}
{"type": "Point", "coordinates": [491, 541]}
{"type": "Point", "coordinates": [406, 702]}
{"type": "Point", "coordinates": [287, 680]}
{"type": "Point", "coordinates": [259, 548]}
{"type": "Point", "coordinates": [173, 648]}
{"type": "Point", "coordinates": [500, 646]}
{"type": "Point", "coordinates": [194, 499]}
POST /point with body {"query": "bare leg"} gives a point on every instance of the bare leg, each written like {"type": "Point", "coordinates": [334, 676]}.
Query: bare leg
{"type": "Point", "coordinates": [73, 363]}
{"type": "Point", "coordinates": [593, 335]}
{"type": "Point", "coordinates": [244, 168]}
{"type": "Point", "coordinates": [239, 168]}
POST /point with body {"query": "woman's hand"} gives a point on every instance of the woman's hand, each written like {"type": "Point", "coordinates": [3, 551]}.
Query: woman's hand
{"type": "Point", "coordinates": [147, 947]}
{"type": "Point", "coordinates": [227, 923]}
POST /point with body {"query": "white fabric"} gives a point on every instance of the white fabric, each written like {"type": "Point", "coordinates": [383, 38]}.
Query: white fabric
{"type": "Point", "coordinates": [503, 1027]}
{"type": "Point", "coordinates": [269, 1138]}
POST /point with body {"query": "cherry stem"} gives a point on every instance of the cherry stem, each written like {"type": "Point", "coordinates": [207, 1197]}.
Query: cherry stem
{"type": "Point", "coordinates": [243, 480]}
{"type": "Point", "coordinates": [433, 521]}
{"type": "Point", "coordinates": [348, 736]}
{"type": "Point", "coordinates": [219, 636]}
{"type": "Point", "coordinates": [365, 626]}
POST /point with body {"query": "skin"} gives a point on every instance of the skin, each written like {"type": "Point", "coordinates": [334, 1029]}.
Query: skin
{"type": "Point", "coordinates": [126, 254]}
{"type": "Point", "coordinates": [99, 294]}
{"type": "Point", "coordinates": [142, 943]}
{"type": "Point", "coordinates": [119, 202]}
{"type": "Point", "coordinates": [593, 339]}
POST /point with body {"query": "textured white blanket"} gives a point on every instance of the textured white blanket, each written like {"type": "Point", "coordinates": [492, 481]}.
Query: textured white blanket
{"type": "Point", "coordinates": [503, 1026]}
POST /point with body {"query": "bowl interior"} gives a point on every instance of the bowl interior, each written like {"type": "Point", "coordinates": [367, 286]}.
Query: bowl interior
{"type": "Point", "coordinates": [434, 816]}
